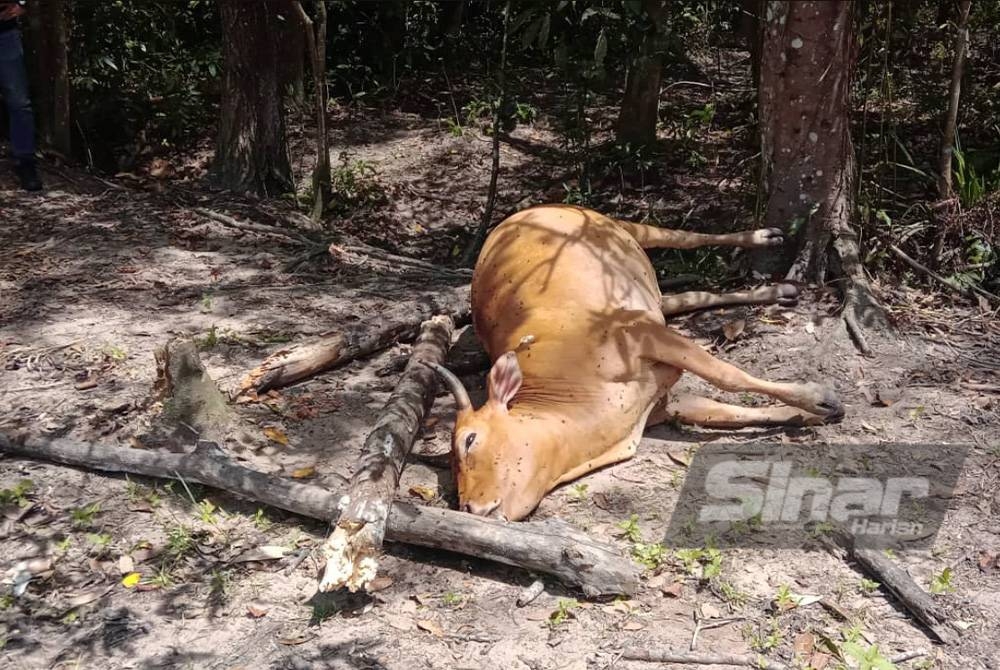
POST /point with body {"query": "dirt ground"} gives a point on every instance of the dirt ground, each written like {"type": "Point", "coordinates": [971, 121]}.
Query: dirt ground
{"type": "Point", "coordinates": [96, 274]}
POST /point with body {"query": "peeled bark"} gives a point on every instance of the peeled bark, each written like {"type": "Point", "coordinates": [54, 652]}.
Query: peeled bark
{"type": "Point", "coordinates": [353, 547]}
{"type": "Point", "coordinates": [640, 108]}
{"type": "Point", "coordinates": [48, 50]}
{"type": "Point", "coordinates": [954, 95]}
{"type": "Point", "coordinates": [251, 152]}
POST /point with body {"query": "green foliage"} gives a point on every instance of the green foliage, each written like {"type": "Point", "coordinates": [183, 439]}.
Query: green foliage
{"type": "Point", "coordinates": [941, 582]}
{"type": "Point", "coordinates": [355, 184]}
{"type": "Point", "coordinates": [17, 494]}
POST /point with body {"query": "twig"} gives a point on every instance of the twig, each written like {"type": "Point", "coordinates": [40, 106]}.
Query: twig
{"type": "Point", "coordinates": [530, 593]}
{"type": "Point", "coordinates": [908, 656]}
{"type": "Point", "coordinates": [971, 292]}
{"type": "Point", "coordinates": [701, 659]}
{"type": "Point", "coordinates": [259, 228]}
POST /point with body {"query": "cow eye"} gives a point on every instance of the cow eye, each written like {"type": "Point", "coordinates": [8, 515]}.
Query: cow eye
{"type": "Point", "coordinates": [469, 441]}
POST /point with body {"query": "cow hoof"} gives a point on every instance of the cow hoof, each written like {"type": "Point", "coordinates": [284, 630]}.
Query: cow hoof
{"type": "Point", "coordinates": [824, 402]}
{"type": "Point", "coordinates": [768, 237]}
{"type": "Point", "coordinates": [787, 295]}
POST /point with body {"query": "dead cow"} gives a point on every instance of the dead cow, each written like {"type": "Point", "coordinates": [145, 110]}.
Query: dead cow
{"type": "Point", "coordinates": [567, 305]}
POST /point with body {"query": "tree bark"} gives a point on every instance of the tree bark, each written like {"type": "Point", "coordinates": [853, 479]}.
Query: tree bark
{"type": "Point", "coordinates": [48, 50]}
{"type": "Point", "coordinates": [315, 32]}
{"type": "Point", "coordinates": [353, 547]}
{"type": "Point", "coordinates": [551, 547]}
{"type": "Point", "coordinates": [640, 107]}
{"type": "Point", "coordinates": [251, 152]}
{"type": "Point", "coordinates": [752, 29]}
{"type": "Point", "coordinates": [808, 163]}
{"type": "Point", "coordinates": [954, 95]}
{"type": "Point", "coordinates": [291, 365]}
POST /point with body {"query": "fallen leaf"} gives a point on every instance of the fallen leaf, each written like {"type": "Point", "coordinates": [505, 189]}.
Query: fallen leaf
{"type": "Point", "coordinates": [297, 638]}
{"type": "Point", "coordinates": [810, 327]}
{"type": "Point", "coordinates": [733, 329]}
{"type": "Point", "coordinates": [680, 457]}
{"type": "Point", "coordinates": [819, 660]}
{"type": "Point", "coordinates": [303, 473]}
{"type": "Point", "coordinates": [131, 579]}
{"type": "Point", "coordinates": [804, 643]}
{"type": "Point", "coordinates": [125, 564]}
{"type": "Point", "coordinates": [989, 561]}
{"type": "Point", "coordinates": [889, 396]}
{"type": "Point", "coordinates": [431, 627]}
{"type": "Point", "coordinates": [87, 597]}
{"type": "Point", "coordinates": [256, 611]}
{"type": "Point", "coordinates": [276, 435]}
{"type": "Point", "coordinates": [632, 625]}
{"type": "Point", "coordinates": [709, 611]}
{"type": "Point", "coordinates": [426, 493]}
{"type": "Point", "coordinates": [85, 385]}
{"type": "Point", "coordinates": [399, 622]}
{"type": "Point", "coordinates": [673, 590]}
{"type": "Point", "coordinates": [379, 584]}
{"type": "Point", "coordinates": [617, 607]}
{"type": "Point", "coordinates": [962, 625]}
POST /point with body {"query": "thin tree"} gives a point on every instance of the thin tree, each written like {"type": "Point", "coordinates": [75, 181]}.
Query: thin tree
{"type": "Point", "coordinates": [251, 151]}
{"type": "Point", "coordinates": [640, 108]}
{"type": "Point", "coordinates": [471, 251]}
{"type": "Point", "coordinates": [315, 32]}
{"type": "Point", "coordinates": [954, 95]}
{"type": "Point", "coordinates": [48, 42]}
{"type": "Point", "coordinates": [808, 162]}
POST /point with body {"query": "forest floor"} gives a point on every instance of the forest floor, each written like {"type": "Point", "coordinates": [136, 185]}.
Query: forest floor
{"type": "Point", "coordinates": [95, 274]}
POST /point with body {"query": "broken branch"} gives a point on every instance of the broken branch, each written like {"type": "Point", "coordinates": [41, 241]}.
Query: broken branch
{"type": "Point", "coordinates": [356, 540]}
{"type": "Point", "coordinates": [288, 366]}
{"type": "Point", "coordinates": [551, 546]}
{"type": "Point", "coordinates": [971, 292]}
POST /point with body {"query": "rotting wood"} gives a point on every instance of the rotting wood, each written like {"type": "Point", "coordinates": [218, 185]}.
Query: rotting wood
{"type": "Point", "coordinates": [356, 253]}
{"type": "Point", "coordinates": [188, 396]}
{"type": "Point", "coordinates": [692, 658]}
{"type": "Point", "coordinates": [551, 546]}
{"type": "Point", "coordinates": [291, 365]}
{"type": "Point", "coordinates": [352, 549]}
{"type": "Point", "coordinates": [917, 601]}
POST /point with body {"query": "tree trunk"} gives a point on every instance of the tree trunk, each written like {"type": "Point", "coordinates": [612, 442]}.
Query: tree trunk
{"type": "Point", "coordinates": [808, 163]}
{"type": "Point", "coordinates": [752, 30]}
{"type": "Point", "coordinates": [954, 94]}
{"type": "Point", "coordinates": [641, 105]}
{"type": "Point", "coordinates": [48, 51]}
{"type": "Point", "coordinates": [315, 32]}
{"type": "Point", "coordinates": [251, 154]}
{"type": "Point", "coordinates": [292, 57]}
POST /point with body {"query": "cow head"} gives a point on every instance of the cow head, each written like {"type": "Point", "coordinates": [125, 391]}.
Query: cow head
{"type": "Point", "coordinates": [490, 455]}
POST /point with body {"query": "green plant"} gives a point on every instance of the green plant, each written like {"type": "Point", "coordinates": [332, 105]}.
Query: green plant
{"type": "Point", "coordinates": [869, 658]}
{"type": "Point", "coordinates": [563, 612]}
{"type": "Point", "coordinates": [941, 582]}
{"type": "Point", "coordinates": [260, 520]}
{"type": "Point", "coordinates": [220, 582]}
{"type": "Point", "coordinates": [206, 512]}
{"type": "Point", "coordinates": [701, 563]}
{"type": "Point", "coordinates": [631, 528]}
{"type": "Point", "coordinates": [868, 586]}
{"type": "Point", "coordinates": [650, 555]}
{"type": "Point", "coordinates": [732, 595]}
{"type": "Point", "coordinates": [578, 492]}
{"type": "Point", "coordinates": [82, 517]}
{"type": "Point", "coordinates": [355, 184]}
{"type": "Point", "coordinates": [17, 494]}
{"type": "Point", "coordinates": [179, 541]}
{"type": "Point", "coordinates": [452, 599]}
{"type": "Point", "coordinates": [763, 640]}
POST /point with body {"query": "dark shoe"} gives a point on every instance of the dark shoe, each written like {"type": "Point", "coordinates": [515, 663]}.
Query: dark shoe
{"type": "Point", "coordinates": [26, 172]}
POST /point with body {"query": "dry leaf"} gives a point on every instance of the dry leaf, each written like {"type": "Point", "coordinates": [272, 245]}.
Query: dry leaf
{"type": "Point", "coordinates": [617, 607]}
{"type": "Point", "coordinates": [399, 622]}
{"type": "Point", "coordinates": [733, 329]}
{"type": "Point", "coordinates": [680, 457]}
{"type": "Point", "coordinates": [673, 590]}
{"type": "Point", "coordinates": [303, 473]}
{"type": "Point", "coordinates": [804, 643]}
{"type": "Point", "coordinates": [819, 660]}
{"type": "Point", "coordinates": [256, 611]}
{"type": "Point", "coordinates": [424, 492]}
{"type": "Point", "coordinates": [297, 638]}
{"type": "Point", "coordinates": [276, 435]}
{"type": "Point", "coordinates": [431, 627]}
{"type": "Point", "coordinates": [989, 561]}
{"type": "Point", "coordinates": [709, 611]}
{"type": "Point", "coordinates": [889, 396]}
{"type": "Point", "coordinates": [632, 625]}
{"type": "Point", "coordinates": [810, 327]}
{"type": "Point", "coordinates": [125, 564]}
{"type": "Point", "coordinates": [87, 597]}
{"type": "Point", "coordinates": [131, 580]}
{"type": "Point", "coordinates": [379, 584]}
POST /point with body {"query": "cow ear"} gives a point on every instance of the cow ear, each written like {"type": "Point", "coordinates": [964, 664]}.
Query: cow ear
{"type": "Point", "coordinates": [505, 379]}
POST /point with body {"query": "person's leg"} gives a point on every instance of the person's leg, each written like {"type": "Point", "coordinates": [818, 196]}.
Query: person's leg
{"type": "Point", "coordinates": [14, 88]}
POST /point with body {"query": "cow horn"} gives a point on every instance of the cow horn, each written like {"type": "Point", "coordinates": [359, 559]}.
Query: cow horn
{"type": "Point", "coordinates": [454, 385]}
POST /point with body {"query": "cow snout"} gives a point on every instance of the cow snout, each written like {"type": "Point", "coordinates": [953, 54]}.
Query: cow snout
{"type": "Point", "coordinates": [482, 509]}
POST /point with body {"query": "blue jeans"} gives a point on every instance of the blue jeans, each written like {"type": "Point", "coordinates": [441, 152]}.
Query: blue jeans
{"type": "Point", "coordinates": [14, 89]}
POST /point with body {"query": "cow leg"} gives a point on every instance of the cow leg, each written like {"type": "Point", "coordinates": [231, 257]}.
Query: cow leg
{"type": "Point", "coordinates": [644, 338]}
{"type": "Point", "coordinates": [698, 411]}
{"type": "Point", "coordinates": [782, 294]}
{"type": "Point", "coordinates": [650, 237]}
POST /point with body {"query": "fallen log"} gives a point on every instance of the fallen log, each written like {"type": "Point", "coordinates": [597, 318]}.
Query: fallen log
{"type": "Point", "coordinates": [288, 366]}
{"type": "Point", "coordinates": [352, 549]}
{"type": "Point", "coordinates": [551, 546]}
